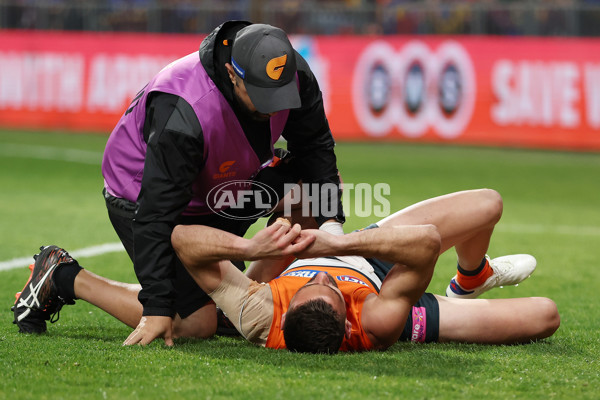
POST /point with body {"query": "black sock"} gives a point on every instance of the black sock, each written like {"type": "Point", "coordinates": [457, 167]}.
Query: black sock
{"type": "Point", "coordinates": [64, 279]}
{"type": "Point", "coordinates": [475, 271]}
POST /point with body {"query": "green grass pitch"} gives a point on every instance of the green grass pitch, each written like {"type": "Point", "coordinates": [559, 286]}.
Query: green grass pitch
{"type": "Point", "coordinates": [51, 194]}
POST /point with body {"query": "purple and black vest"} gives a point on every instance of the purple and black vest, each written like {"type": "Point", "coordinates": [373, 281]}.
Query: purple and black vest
{"type": "Point", "coordinates": [228, 155]}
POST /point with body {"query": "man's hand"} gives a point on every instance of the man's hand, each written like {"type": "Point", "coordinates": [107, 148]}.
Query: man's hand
{"type": "Point", "coordinates": [149, 329]}
{"type": "Point", "coordinates": [324, 244]}
{"type": "Point", "coordinates": [278, 240]}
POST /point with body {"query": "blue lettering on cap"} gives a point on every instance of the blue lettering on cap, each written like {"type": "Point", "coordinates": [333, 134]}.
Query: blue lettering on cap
{"type": "Point", "coordinates": [239, 70]}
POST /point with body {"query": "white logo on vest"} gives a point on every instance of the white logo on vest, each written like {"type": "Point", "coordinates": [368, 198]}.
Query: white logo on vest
{"type": "Point", "coordinates": [242, 199]}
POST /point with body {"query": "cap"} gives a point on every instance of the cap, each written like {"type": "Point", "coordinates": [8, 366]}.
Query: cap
{"type": "Point", "coordinates": [264, 58]}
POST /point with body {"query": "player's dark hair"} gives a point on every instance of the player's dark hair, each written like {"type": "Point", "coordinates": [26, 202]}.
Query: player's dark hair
{"type": "Point", "coordinates": [314, 327]}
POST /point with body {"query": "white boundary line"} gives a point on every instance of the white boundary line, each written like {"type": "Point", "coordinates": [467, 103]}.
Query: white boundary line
{"type": "Point", "coordinates": [553, 229]}
{"type": "Point", "coordinates": [51, 153]}
{"type": "Point", "coordinates": [85, 252]}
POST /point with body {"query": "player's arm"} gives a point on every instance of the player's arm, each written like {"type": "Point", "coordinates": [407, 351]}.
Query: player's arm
{"type": "Point", "coordinates": [384, 315]}
{"type": "Point", "coordinates": [205, 251]}
{"type": "Point", "coordinates": [266, 270]}
{"type": "Point", "coordinates": [406, 243]}
{"type": "Point", "coordinates": [412, 248]}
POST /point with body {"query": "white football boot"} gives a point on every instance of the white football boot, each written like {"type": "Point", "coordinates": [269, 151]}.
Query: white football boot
{"type": "Point", "coordinates": [508, 270]}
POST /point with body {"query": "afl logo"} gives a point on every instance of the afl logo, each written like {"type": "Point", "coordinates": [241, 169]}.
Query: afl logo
{"type": "Point", "coordinates": [241, 199]}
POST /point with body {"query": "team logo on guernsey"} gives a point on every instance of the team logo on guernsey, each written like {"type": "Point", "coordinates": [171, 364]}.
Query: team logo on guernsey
{"type": "Point", "coordinates": [275, 67]}
{"type": "Point", "coordinates": [351, 279]}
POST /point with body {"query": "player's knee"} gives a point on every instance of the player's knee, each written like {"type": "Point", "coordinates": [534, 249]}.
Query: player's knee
{"type": "Point", "coordinates": [432, 241]}
{"type": "Point", "coordinates": [492, 205]}
{"type": "Point", "coordinates": [552, 316]}
{"type": "Point", "coordinates": [549, 318]}
{"type": "Point", "coordinates": [178, 237]}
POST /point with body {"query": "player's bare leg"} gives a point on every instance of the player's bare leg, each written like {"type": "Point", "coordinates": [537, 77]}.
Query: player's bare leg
{"type": "Point", "coordinates": [120, 300]}
{"type": "Point", "coordinates": [116, 298]}
{"type": "Point", "coordinates": [465, 220]}
{"type": "Point", "coordinates": [497, 321]}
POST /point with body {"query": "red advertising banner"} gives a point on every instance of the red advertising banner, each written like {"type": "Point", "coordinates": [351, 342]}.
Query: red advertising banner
{"type": "Point", "coordinates": [78, 81]}
{"type": "Point", "coordinates": [525, 92]}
